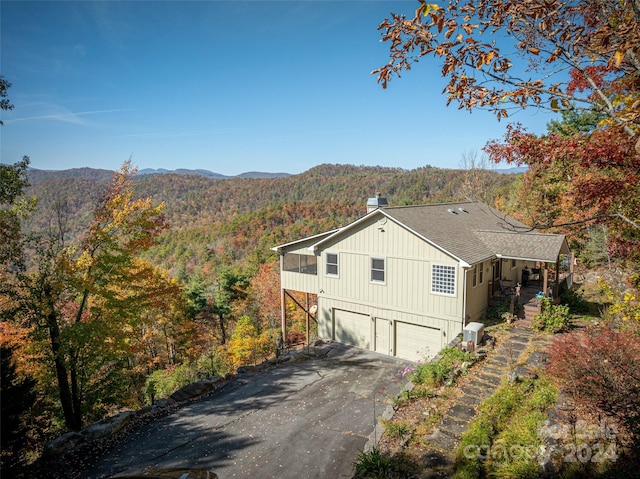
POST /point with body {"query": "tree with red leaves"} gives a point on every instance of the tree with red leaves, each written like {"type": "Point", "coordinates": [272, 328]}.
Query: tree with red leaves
{"type": "Point", "coordinates": [577, 179]}
{"type": "Point", "coordinates": [581, 58]}
{"type": "Point", "coordinates": [552, 54]}
{"type": "Point", "coordinates": [599, 367]}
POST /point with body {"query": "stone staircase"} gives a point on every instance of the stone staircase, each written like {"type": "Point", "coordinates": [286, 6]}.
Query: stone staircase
{"type": "Point", "coordinates": [485, 379]}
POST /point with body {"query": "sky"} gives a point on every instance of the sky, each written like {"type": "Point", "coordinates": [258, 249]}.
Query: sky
{"type": "Point", "coordinates": [226, 86]}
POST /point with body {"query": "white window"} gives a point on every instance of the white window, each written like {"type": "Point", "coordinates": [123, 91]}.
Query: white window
{"type": "Point", "coordinates": [443, 279]}
{"type": "Point", "coordinates": [513, 263]}
{"type": "Point", "coordinates": [475, 276]}
{"type": "Point", "coordinates": [377, 270]}
{"type": "Point", "coordinates": [481, 273]}
{"type": "Point", "coordinates": [332, 264]}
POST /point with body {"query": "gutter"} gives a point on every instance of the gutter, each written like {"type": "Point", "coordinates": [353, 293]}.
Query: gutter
{"type": "Point", "coordinates": [464, 298]}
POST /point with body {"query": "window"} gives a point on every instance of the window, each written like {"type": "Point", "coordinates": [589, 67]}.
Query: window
{"type": "Point", "coordinates": [300, 263]}
{"type": "Point", "coordinates": [291, 262]}
{"type": "Point", "coordinates": [332, 264]}
{"type": "Point", "coordinates": [377, 270]}
{"type": "Point", "coordinates": [475, 276]}
{"type": "Point", "coordinates": [481, 273]}
{"type": "Point", "coordinates": [443, 279]}
{"type": "Point", "coordinates": [308, 264]}
{"type": "Point", "coordinates": [513, 263]}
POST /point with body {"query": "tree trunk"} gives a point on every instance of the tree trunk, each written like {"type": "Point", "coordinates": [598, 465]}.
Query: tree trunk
{"type": "Point", "coordinates": [66, 399]}
{"type": "Point", "coordinates": [223, 332]}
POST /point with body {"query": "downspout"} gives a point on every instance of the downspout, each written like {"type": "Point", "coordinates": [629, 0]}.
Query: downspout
{"type": "Point", "coordinates": [464, 298]}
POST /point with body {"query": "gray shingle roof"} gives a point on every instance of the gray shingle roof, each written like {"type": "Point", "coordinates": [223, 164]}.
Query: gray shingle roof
{"type": "Point", "coordinates": [469, 231]}
{"type": "Point", "coordinates": [474, 232]}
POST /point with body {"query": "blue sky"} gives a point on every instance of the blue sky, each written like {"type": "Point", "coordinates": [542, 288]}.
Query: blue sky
{"type": "Point", "coordinates": [225, 86]}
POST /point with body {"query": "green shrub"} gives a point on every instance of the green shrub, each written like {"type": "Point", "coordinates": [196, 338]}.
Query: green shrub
{"type": "Point", "coordinates": [164, 382]}
{"type": "Point", "coordinates": [497, 312]}
{"type": "Point", "coordinates": [375, 465]}
{"type": "Point", "coordinates": [553, 318]}
{"type": "Point", "coordinates": [575, 301]}
{"type": "Point", "coordinates": [436, 373]}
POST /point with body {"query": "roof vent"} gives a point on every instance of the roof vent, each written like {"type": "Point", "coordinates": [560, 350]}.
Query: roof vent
{"type": "Point", "coordinates": [452, 211]}
{"type": "Point", "coordinates": [462, 209]}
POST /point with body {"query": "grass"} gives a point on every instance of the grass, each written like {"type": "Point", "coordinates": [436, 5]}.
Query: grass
{"type": "Point", "coordinates": [397, 429]}
{"type": "Point", "coordinates": [502, 441]}
{"type": "Point", "coordinates": [376, 465]}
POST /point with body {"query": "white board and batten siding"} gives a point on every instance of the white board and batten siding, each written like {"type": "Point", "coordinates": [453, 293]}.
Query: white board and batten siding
{"type": "Point", "coordinates": [408, 271]}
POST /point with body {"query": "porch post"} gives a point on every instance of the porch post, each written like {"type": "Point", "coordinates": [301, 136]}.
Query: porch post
{"type": "Point", "coordinates": [283, 314]}
{"type": "Point", "coordinates": [545, 276]}
{"type": "Point", "coordinates": [307, 311]}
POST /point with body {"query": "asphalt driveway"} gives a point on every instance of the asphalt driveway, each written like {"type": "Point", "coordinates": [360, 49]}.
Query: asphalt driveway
{"type": "Point", "coordinates": [306, 419]}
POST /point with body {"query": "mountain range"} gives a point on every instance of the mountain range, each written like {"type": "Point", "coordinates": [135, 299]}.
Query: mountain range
{"type": "Point", "coordinates": [37, 175]}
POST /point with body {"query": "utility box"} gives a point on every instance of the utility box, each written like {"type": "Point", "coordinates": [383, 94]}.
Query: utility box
{"type": "Point", "coordinates": [473, 332]}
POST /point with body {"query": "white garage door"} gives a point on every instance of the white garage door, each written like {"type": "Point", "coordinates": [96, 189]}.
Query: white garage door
{"type": "Point", "coordinates": [352, 328]}
{"type": "Point", "coordinates": [414, 342]}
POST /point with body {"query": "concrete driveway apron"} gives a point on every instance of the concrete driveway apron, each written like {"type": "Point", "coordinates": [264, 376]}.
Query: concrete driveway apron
{"type": "Point", "coordinates": [306, 419]}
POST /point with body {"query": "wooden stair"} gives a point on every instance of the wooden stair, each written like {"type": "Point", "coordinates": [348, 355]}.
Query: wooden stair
{"type": "Point", "coordinates": [528, 311]}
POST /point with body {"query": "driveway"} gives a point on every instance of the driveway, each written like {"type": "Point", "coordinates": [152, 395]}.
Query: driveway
{"type": "Point", "coordinates": [306, 419]}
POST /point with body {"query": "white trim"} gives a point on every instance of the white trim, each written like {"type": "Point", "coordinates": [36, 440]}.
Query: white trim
{"type": "Point", "coordinates": [286, 245]}
{"type": "Point", "coordinates": [517, 258]}
{"type": "Point", "coordinates": [371, 269]}
{"type": "Point", "coordinates": [326, 263]}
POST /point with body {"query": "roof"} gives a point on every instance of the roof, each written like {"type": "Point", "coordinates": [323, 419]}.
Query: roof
{"type": "Point", "coordinates": [471, 232]}
{"type": "Point", "coordinates": [299, 243]}
{"type": "Point", "coordinates": [451, 226]}
{"type": "Point", "coordinates": [526, 246]}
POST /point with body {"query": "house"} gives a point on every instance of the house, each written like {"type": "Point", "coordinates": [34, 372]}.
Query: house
{"type": "Point", "coordinates": [404, 281]}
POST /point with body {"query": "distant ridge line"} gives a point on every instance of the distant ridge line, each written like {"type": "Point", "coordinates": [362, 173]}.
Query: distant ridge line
{"type": "Point", "coordinates": [211, 174]}
{"type": "Point", "coordinates": [99, 174]}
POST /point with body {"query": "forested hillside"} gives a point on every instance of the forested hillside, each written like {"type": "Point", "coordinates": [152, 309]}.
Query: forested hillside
{"type": "Point", "coordinates": [214, 222]}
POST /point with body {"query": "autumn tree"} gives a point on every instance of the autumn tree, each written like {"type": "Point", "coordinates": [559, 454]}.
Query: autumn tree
{"type": "Point", "coordinates": [87, 298]}
{"type": "Point", "coordinates": [247, 345]}
{"type": "Point", "coordinates": [576, 179]}
{"type": "Point", "coordinates": [503, 56]}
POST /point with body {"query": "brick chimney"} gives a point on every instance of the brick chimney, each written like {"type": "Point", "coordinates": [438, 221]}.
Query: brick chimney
{"type": "Point", "coordinates": [377, 202]}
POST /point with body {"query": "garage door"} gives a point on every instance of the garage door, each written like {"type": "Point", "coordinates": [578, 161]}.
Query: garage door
{"type": "Point", "coordinates": [414, 342]}
{"type": "Point", "coordinates": [352, 328]}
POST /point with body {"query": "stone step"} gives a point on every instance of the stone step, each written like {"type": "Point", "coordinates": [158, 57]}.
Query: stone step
{"type": "Point", "coordinates": [525, 323]}
{"type": "Point", "coordinates": [442, 440]}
